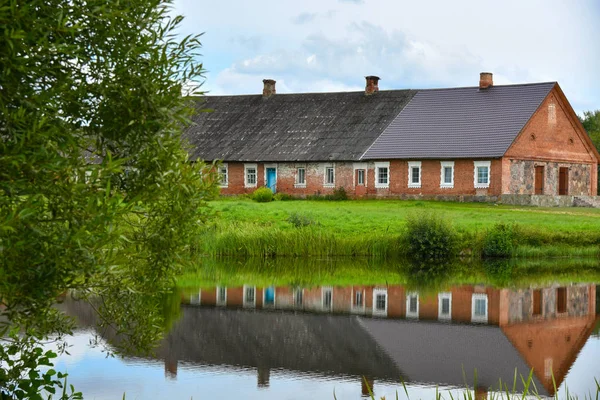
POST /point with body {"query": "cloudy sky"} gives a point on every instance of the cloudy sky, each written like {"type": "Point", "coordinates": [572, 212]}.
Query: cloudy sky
{"type": "Point", "coordinates": [330, 45]}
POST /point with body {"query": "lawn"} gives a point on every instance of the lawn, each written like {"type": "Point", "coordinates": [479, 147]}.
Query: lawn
{"type": "Point", "coordinates": [367, 217]}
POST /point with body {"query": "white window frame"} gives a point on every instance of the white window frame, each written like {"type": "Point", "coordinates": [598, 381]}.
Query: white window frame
{"type": "Point", "coordinates": [353, 306]}
{"type": "Point", "coordinates": [193, 298]}
{"type": "Point", "coordinates": [409, 314]}
{"type": "Point", "coordinates": [294, 294]}
{"type": "Point", "coordinates": [357, 166]}
{"type": "Point", "coordinates": [480, 164]}
{"type": "Point", "coordinates": [225, 175]}
{"type": "Point", "coordinates": [324, 291]}
{"type": "Point", "coordinates": [377, 292]}
{"type": "Point", "coordinates": [445, 296]}
{"type": "Point", "coordinates": [218, 302]}
{"type": "Point", "coordinates": [411, 165]}
{"type": "Point", "coordinates": [297, 183]}
{"type": "Point", "coordinates": [246, 168]}
{"type": "Point", "coordinates": [479, 318]}
{"type": "Point", "coordinates": [246, 303]}
{"type": "Point", "coordinates": [444, 165]}
{"type": "Point", "coordinates": [378, 166]}
{"type": "Point", "coordinates": [265, 305]}
{"type": "Point", "coordinates": [364, 177]}
{"type": "Point", "coordinates": [325, 168]}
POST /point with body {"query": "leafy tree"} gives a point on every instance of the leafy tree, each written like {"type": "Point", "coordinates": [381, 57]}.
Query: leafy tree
{"type": "Point", "coordinates": [591, 123]}
{"type": "Point", "coordinates": [97, 195]}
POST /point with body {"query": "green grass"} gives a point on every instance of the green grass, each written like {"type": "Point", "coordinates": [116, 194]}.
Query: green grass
{"type": "Point", "coordinates": [377, 228]}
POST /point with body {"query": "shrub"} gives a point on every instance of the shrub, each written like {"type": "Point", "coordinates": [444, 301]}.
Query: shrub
{"type": "Point", "coordinates": [499, 242]}
{"type": "Point", "coordinates": [262, 195]}
{"type": "Point", "coordinates": [339, 194]}
{"type": "Point", "coordinates": [284, 197]}
{"type": "Point", "coordinates": [299, 220]}
{"type": "Point", "coordinates": [430, 237]}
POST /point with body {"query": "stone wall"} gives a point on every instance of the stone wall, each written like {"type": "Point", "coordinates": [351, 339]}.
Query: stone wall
{"type": "Point", "coordinates": [550, 201]}
{"type": "Point", "coordinates": [522, 177]}
{"type": "Point", "coordinates": [520, 303]}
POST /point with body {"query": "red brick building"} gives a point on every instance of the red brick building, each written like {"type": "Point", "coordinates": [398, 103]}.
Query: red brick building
{"type": "Point", "coordinates": [485, 140]}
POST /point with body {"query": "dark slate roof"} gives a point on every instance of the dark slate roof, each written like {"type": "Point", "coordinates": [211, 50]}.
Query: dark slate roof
{"type": "Point", "coordinates": [459, 122]}
{"type": "Point", "coordinates": [292, 127]}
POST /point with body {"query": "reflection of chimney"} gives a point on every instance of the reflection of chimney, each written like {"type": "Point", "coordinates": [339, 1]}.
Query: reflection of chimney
{"type": "Point", "coordinates": [372, 84]}
{"type": "Point", "coordinates": [486, 80]}
{"type": "Point", "coordinates": [264, 375]}
{"type": "Point", "coordinates": [366, 386]}
{"type": "Point", "coordinates": [170, 368]}
{"type": "Point", "coordinates": [268, 88]}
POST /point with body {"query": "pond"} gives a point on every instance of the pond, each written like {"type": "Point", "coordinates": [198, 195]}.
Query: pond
{"type": "Point", "coordinates": [294, 342]}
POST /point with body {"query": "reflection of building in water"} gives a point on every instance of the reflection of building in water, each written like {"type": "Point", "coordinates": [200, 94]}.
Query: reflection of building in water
{"type": "Point", "coordinates": [386, 333]}
{"type": "Point", "coordinates": [540, 328]}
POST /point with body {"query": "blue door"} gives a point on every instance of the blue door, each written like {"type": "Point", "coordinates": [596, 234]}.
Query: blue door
{"type": "Point", "coordinates": [272, 179]}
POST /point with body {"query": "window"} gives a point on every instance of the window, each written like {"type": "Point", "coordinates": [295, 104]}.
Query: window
{"type": "Point", "coordinates": [445, 306]}
{"type": "Point", "coordinates": [329, 176]}
{"type": "Point", "coordinates": [479, 308]}
{"type": "Point", "coordinates": [360, 177]}
{"type": "Point", "coordinates": [412, 305]}
{"type": "Point", "coordinates": [250, 175]}
{"type": "Point", "coordinates": [537, 302]}
{"type": "Point", "coordinates": [298, 297]}
{"type": "Point", "coordinates": [221, 296]}
{"type": "Point", "coordinates": [482, 174]}
{"type": "Point", "coordinates": [380, 302]}
{"type": "Point", "coordinates": [300, 177]}
{"type": "Point", "coordinates": [223, 175]}
{"type": "Point", "coordinates": [195, 298]}
{"type": "Point", "coordinates": [414, 174]}
{"type": "Point", "coordinates": [447, 174]}
{"type": "Point", "coordinates": [249, 296]}
{"type": "Point", "coordinates": [326, 298]}
{"type": "Point", "coordinates": [382, 174]}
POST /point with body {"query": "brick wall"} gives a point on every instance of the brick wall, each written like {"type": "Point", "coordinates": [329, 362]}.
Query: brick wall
{"type": "Point", "coordinates": [552, 138]}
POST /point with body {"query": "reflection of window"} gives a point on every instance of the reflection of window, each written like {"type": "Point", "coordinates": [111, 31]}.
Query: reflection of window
{"type": "Point", "coordinates": [223, 175]}
{"type": "Point", "coordinates": [250, 175]}
{"type": "Point", "coordinates": [382, 174]}
{"type": "Point", "coordinates": [380, 302]}
{"type": "Point", "coordinates": [412, 305]}
{"type": "Point", "coordinates": [298, 297]}
{"type": "Point", "coordinates": [358, 299]}
{"type": "Point", "coordinates": [221, 296]}
{"type": "Point", "coordinates": [479, 309]}
{"type": "Point", "coordinates": [537, 302]}
{"type": "Point", "coordinates": [445, 306]}
{"type": "Point", "coordinates": [561, 300]}
{"type": "Point", "coordinates": [249, 296]}
{"type": "Point", "coordinates": [482, 174]}
{"type": "Point", "coordinates": [327, 294]}
{"type": "Point", "coordinates": [195, 298]}
{"type": "Point", "coordinates": [414, 174]}
{"type": "Point", "coordinates": [329, 176]}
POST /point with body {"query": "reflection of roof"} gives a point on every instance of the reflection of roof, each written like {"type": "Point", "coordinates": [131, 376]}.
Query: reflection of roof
{"type": "Point", "coordinates": [271, 339]}
{"type": "Point", "coordinates": [439, 353]}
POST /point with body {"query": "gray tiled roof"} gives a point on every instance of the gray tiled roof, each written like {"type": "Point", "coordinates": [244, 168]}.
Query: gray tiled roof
{"type": "Point", "coordinates": [459, 123]}
{"type": "Point", "coordinates": [292, 127]}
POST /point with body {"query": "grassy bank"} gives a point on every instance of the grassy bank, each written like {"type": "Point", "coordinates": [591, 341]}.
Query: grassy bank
{"type": "Point", "coordinates": [376, 228]}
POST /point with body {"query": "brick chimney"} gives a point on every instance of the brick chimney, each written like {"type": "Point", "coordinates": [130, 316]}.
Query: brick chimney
{"type": "Point", "coordinates": [268, 88]}
{"type": "Point", "coordinates": [372, 84]}
{"type": "Point", "coordinates": [486, 80]}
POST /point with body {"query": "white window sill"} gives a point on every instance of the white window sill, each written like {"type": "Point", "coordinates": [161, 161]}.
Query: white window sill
{"type": "Point", "coordinates": [414, 185]}
{"type": "Point", "coordinates": [249, 186]}
{"type": "Point", "coordinates": [300, 185]}
{"type": "Point", "coordinates": [479, 320]}
{"type": "Point", "coordinates": [482, 186]}
{"type": "Point", "coordinates": [329, 185]}
{"type": "Point", "coordinates": [447, 186]}
{"type": "Point", "coordinates": [224, 186]}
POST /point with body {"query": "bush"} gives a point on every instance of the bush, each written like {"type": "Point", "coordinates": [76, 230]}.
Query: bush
{"type": "Point", "coordinates": [499, 242]}
{"type": "Point", "coordinates": [299, 220]}
{"type": "Point", "coordinates": [262, 195]}
{"type": "Point", "coordinates": [430, 238]}
{"type": "Point", "coordinates": [284, 197]}
{"type": "Point", "coordinates": [339, 194]}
